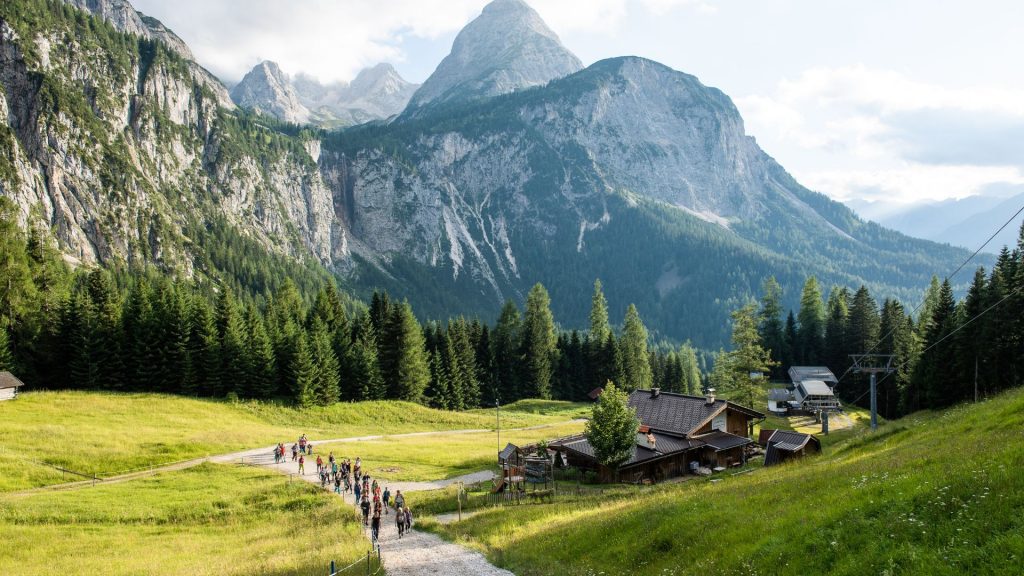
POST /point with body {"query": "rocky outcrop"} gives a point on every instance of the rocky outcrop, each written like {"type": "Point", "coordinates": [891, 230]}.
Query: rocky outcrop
{"type": "Point", "coordinates": [265, 89]}
{"type": "Point", "coordinates": [376, 93]}
{"type": "Point", "coordinates": [507, 48]}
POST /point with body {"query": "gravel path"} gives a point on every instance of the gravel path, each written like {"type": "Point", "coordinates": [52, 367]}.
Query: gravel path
{"type": "Point", "coordinates": [416, 553]}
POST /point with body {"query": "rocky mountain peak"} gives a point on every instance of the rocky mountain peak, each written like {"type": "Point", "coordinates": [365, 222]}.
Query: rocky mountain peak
{"type": "Point", "coordinates": [267, 90]}
{"type": "Point", "coordinates": [507, 48]}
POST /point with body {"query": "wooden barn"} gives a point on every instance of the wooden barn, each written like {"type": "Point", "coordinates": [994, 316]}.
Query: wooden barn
{"type": "Point", "coordinates": [677, 433]}
{"type": "Point", "coordinates": [9, 385]}
{"type": "Point", "coordinates": [782, 445]}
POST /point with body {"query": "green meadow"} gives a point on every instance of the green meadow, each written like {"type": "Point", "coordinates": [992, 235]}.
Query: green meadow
{"type": "Point", "coordinates": [108, 434]}
{"type": "Point", "coordinates": [212, 519]}
{"type": "Point", "coordinates": [932, 493]}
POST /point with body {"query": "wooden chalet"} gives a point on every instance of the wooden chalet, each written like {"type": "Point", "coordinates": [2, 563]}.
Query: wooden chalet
{"type": "Point", "coordinates": [782, 445]}
{"type": "Point", "coordinates": [677, 434]}
{"type": "Point", "coordinates": [9, 385]}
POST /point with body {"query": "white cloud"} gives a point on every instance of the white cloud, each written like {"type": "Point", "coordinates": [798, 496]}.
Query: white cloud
{"type": "Point", "coordinates": [858, 132]}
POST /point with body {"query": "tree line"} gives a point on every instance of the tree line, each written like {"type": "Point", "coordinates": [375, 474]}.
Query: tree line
{"type": "Point", "coordinates": [119, 330]}
{"type": "Point", "coordinates": [945, 351]}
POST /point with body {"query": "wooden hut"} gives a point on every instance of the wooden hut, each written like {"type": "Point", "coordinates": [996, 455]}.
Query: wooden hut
{"type": "Point", "coordinates": [676, 432]}
{"type": "Point", "coordinates": [782, 445]}
{"type": "Point", "coordinates": [9, 385]}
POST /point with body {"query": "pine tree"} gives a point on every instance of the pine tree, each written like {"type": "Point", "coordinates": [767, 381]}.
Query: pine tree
{"type": "Point", "coordinates": [303, 373]}
{"type": "Point", "coordinates": [633, 346]}
{"type": "Point", "coordinates": [971, 348]}
{"type": "Point", "coordinates": [106, 329]}
{"type": "Point", "coordinates": [690, 369]}
{"type": "Point", "coordinates": [411, 367]}
{"type": "Point", "coordinates": [260, 356]}
{"type": "Point", "coordinates": [452, 373]}
{"type": "Point", "coordinates": [734, 370]}
{"type": "Point", "coordinates": [939, 384]}
{"type": "Point", "coordinates": [367, 383]}
{"type": "Point", "coordinates": [792, 340]}
{"type": "Point", "coordinates": [327, 388]}
{"type": "Point", "coordinates": [811, 331]}
{"type": "Point", "coordinates": [463, 350]}
{"type": "Point", "coordinates": [234, 369]}
{"type": "Point", "coordinates": [897, 338]}
{"type": "Point", "coordinates": [6, 358]}
{"type": "Point", "coordinates": [538, 345]}
{"type": "Point", "coordinates": [837, 344]}
{"type": "Point", "coordinates": [770, 323]}
{"type": "Point", "coordinates": [507, 334]}
{"type": "Point", "coordinates": [599, 327]}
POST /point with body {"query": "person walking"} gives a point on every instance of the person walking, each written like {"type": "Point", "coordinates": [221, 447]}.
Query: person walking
{"type": "Point", "coordinates": [302, 465]}
{"type": "Point", "coordinates": [337, 484]}
{"type": "Point", "coordinates": [319, 464]}
{"type": "Point", "coordinates": [400, 522]}
{"type": "Point", "coordinates": [366, 510]}
{"type": "Point", "coordinates": [295, 452]}
{"type": "Point", "coordinates": [387, 499]}
{"type": "Point", "coordinates": [357, 491]}
{"type": "Point", "coordinates": [375, 523]}
{"type": "Point", "coordinates": [408, 519]}
{"type": "Point", "coordinates": [399, 500]}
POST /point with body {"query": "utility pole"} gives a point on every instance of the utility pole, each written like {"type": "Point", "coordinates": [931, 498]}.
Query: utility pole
{"type": "Point", "coordinates": [873, 364]}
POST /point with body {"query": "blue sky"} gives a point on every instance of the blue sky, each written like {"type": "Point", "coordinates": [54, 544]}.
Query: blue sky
{"type": "Point", "coordinates": [894, 102]}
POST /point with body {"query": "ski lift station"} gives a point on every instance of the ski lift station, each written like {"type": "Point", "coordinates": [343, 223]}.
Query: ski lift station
{"type": "Point", "coordinates": [810, 391]}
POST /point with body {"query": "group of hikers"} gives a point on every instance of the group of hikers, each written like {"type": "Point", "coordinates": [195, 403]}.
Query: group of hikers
{"type": "Point", "coordinates": [348, 476]}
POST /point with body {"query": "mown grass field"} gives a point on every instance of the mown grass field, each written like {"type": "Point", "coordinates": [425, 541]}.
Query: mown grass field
{"type": "Point", "coordinates": [209, 520]}
{"type": "Point", "coordinates": [439, 457]}
{"type": "Point", "coordinates": [108, 434]}
{"type": "Point", "coordinates": [932, 493]}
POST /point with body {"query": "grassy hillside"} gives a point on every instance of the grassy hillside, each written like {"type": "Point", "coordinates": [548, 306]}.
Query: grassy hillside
{"type": "Point", "coordinates": [212, 519]}
{"type": "Point", "coordinates": [107, 434]}
{"type": "Point", "coordinates": [437, 457]}
{"type": "Point", "coordinates": [933, 493]}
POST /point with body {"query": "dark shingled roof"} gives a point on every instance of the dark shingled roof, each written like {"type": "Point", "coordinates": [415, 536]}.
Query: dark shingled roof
{"type": "Point", "coordinates": [677, 413]}
{"type": "Point", "coordinates": [780, 395]}
{"type": "Point", "coordinates": [723, 440]}
{"type": "Point", "coordinates": [663, 446]}
{"type": "Point", "coordinates": [8, 380]}
{"type": "Point", "coordinates": [595, 393]}
{"type": "Point", "coordinates": [507, 451]}
{"type": "Point", "coordinates": [790, 441]}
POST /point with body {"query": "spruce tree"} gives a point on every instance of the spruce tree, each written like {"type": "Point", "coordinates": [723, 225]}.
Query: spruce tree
{"type": "Point", "coordinates": [303, 373]}
{"type": "Point", "coordinates": [6, 358]}
{"type": "Point", "coordinates": [234, 368]}
{"type": "Point", "coordinates": [538, 345]}
{"type": "Point", "coordinates": [327, 388]}
{"type": "Point", "coordinates": [690, 369]}
{"type": "Point", "coordinates": [463, 350]}
{"type": "Point", "coordinates": [734, 370]}
{"type": "Point", "coordinates": [791, 338]}
{"type": "Point", "coordinates": [811, 330]}
{"type": "Point", "coordinates": [897, 337]}
{"type": "Point", "coordinates": [363, 371]}
{"type": "Point", "coordinates": [507, 334]}
{"type": "Point", "coordinates": [411, 368]}
{"type": "Point", "coordinates": [770, 323]}
{"type": "Point", "coordinates": [599, 327]}
{"type": "Point", "coordinates": [633, 346]}
{"type": "Point", "coordinates": [260, 356]}
{"type": "Point", "coordinates": [837, 344]}
{"type": "Point", "coordinates": [933, 376]}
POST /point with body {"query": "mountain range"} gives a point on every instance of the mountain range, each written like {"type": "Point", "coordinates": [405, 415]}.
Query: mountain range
{"type": "Point", "coordinates": [376, 93]}
{"type": "Point", "coordinates": [512, 164]}
{"type": "Point", "coordinates": [968, 222]}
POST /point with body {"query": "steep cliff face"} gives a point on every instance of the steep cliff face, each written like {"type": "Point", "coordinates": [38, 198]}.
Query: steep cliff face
{"type": "Point", "coordinates": [507, 48]}
{"type": "Point", "coordinates": [119, 146]}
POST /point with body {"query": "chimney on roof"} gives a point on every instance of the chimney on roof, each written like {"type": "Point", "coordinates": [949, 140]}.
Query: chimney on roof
{"type": "Point", "coordinates": [710, 396]}
{"type": "Point", "coordinates": [655, 392]}
{"type": "Point", "coordinates": [652, 442]}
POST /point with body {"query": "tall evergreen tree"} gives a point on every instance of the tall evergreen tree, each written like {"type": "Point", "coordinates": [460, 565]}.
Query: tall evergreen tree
{"type": "Point", "coordinates": [734, 370]}
{"type": "Point", "coordinates": [811, 331]}
{"type": "Point", "coordinates": [933, 376]}
{"type": "Point", "coordinates": [260, 356]}
{"type": "Point", "coordinates": [234, 369]}
{"type": "Point", "coordinates": [633, 346]}
{"type": "Point", "coordinates": [897, 337]}
{"type": "Point", "coordinates": [303, 373]}
{"type": "Point", "coordinates": [971, 347]}
{"type": "Point", "coordinates": [690, 369]}
{"type": "Point", "coordinates": [770, 323]}
{"type": "Point", "coordinates": [327, 382]}
{"type": "Point", "coordinates": [538, 344]}
{"type": "Point", "coordinates": [462, 347]}
{"type": "Point", "coordinates": [411, 365]}
{"type": "Point", "coordinates": [837, 344]}
{"type": "Point", "coordinates": [792, 339]}
{"type": "Point", "coordinates": [507, 334]}
{"type": "Point", "coordinates": [6, 358]}
{"type": "Point", "coordinates": [367, 382]}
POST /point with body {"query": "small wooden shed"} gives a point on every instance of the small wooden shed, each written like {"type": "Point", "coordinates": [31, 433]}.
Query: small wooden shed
{"type": "Point", "coordinates": [781, 445]}
{"type": "Point", "coordinates": [9, 385]}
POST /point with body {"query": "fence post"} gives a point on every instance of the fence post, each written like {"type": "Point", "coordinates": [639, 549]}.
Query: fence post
{"type": "Point", "coordinates": [332, 568]}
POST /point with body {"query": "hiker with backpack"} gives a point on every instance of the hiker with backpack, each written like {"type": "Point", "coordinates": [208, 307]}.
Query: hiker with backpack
{"type": "Point", "coordinates": [400, 522]}
{"type": "Point", "coordinates": [386, 497]}
{"type": "Point", "coordinates": [366, 509]}
{"type": "Point", "coordinates": [399, 501]}
{"type": "Point", "coordinates": [408, 519]}
{"type": "Point", "coordinates": [302, 465]}
{"type": "Point", "coordinates": [375, 523]}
